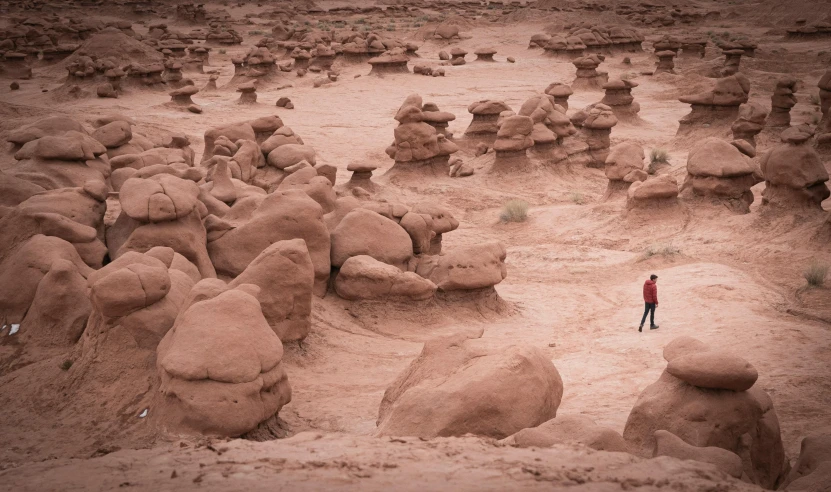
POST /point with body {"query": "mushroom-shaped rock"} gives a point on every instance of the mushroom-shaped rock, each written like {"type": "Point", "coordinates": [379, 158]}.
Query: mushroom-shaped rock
{"type": "Point", "coordinates": [588, 78]}
{"type": "Point", "coordinates": [457, 56]}
{"type": "Point", "coordinates": [392, 61]}
{"type": "Point", "coordinates": [750, 122]}
{"type": "Point", "coordinates": [248, 93]}
{"type": "Point", "coordinates": [795, 176]}
{"type": "Point", "coordinates": [560, 92]}
{"type": "Point", "coordinates": [718, 170]}
{"type": "Point", "coordinates": [666, 62]}
{"type": "Point", "coordinates": [182, 97]}
{"type": "Point", "coordinates": [485, 115]}
{"type": "Point", "coordinates": [618, 96]}
{"type": "Point", "coordinates": [485, 54]}
{"type": "Point", "coordinates": [462, 385]}
{"type": "Point", "coordinates": [716, 108]}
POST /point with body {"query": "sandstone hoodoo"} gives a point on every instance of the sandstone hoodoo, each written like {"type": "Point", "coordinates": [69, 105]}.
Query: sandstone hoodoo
{"type": "Point", "coordinates": [551, 125]}
{"type": "Point", "coordinates": [781, 102]}
{"type": "Point", "coordinates": [595, 123]}
{"type": "Point", "coordinates": [716, 108]}
{"type": "Point", "coordinates": [751, 122]}
{"type": "Point", "coordinates": [560, 92]}
{"type": "Point", "coordinates": [618, 96]}
{"type": "Point", "coordinates": [457, 56]}
{"type": "Point", "coordinates": [417, 145]}
{"type": "Point", "coordinates": [512, 140]}
{"type": "Point", "coordinates": [794, 174]}
{"type": "Point", "coordinates": [666, 62]}
{"type": "Point", "coordinates": [485, 115]}
{"type": "Point", "coordinates": [721, 386]}
{"type": "Point", "coordinates": [248, 93]}
{"type": "Point", "coordinates": [588, 77]}
{"type": "Point", "coordinates": [484, 54]}
{"type": "Point", "coordinates": [438, 119]}
{"type": "Point", "coordinates": [667, 42]}
{"type": "Point", "coordinates": [823, 129]}
{"type": "Point", "coordinates": [182, 97]}
{"type": "Point", "coordinates": [390, 62]}
{"type": "Point", "coordinates": [719, 172]}
{"type": "Point", "coordinates": [361, 175]}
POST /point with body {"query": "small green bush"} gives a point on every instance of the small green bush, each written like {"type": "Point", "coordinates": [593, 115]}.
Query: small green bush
{"type": "Point", "coordinates": [578, 198]}
{"type": "Point", "coordinates": [222, 51]}
{"type": "Point", "coordinates": [815, 274]}
{"type": "Point", "coordinates": [814, 99]}
{"type": "Point", "coordinates": [514, 211]}
{"type": "Point", "coordinates": [65, 365]}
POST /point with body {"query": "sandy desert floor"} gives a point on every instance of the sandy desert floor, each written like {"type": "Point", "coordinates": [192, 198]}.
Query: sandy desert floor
{"type": "Point", "coordinates": [575, 270]}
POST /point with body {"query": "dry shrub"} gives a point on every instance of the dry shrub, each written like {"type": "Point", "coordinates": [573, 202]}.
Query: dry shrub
{"type": "Point", "coordinates": [514, 211]}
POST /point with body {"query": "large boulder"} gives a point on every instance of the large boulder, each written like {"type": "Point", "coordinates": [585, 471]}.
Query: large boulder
{"type": "Point", "coordinates": [461, 385]}
{"type": "Point", "coordinates": [364, 232]}
{"type": "Point", "coordinates": [220, 364]}
{"type": "Point", "coordinates": [285, 275]}
{"type": "Point", "coordinates": [364, 277]}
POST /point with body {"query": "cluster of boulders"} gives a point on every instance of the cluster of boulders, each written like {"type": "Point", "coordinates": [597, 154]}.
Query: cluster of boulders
{"type": "Point", "coordinates": [237, 243]}
{"type": "Point", "coordinates": [803, 30]}
{"type": "Point", "coordinates": [419, 145]}
{"type": "Point", "coordinates": [589, 39]}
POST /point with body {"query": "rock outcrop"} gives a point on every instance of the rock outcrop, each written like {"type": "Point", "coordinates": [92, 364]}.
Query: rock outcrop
{"type": "Point", "coordinates": [462, 385]}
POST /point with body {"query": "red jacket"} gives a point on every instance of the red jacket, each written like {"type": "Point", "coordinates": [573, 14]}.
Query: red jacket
{"type": "Point", "coordinates": [650, 292]}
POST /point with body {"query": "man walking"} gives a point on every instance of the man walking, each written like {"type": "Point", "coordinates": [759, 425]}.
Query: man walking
{"type": "Point", "coordinates": [650, 297]}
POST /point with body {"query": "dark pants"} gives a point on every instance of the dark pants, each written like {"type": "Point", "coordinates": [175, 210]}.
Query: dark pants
{"type": "Point", "coordinates": [649, 309]}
